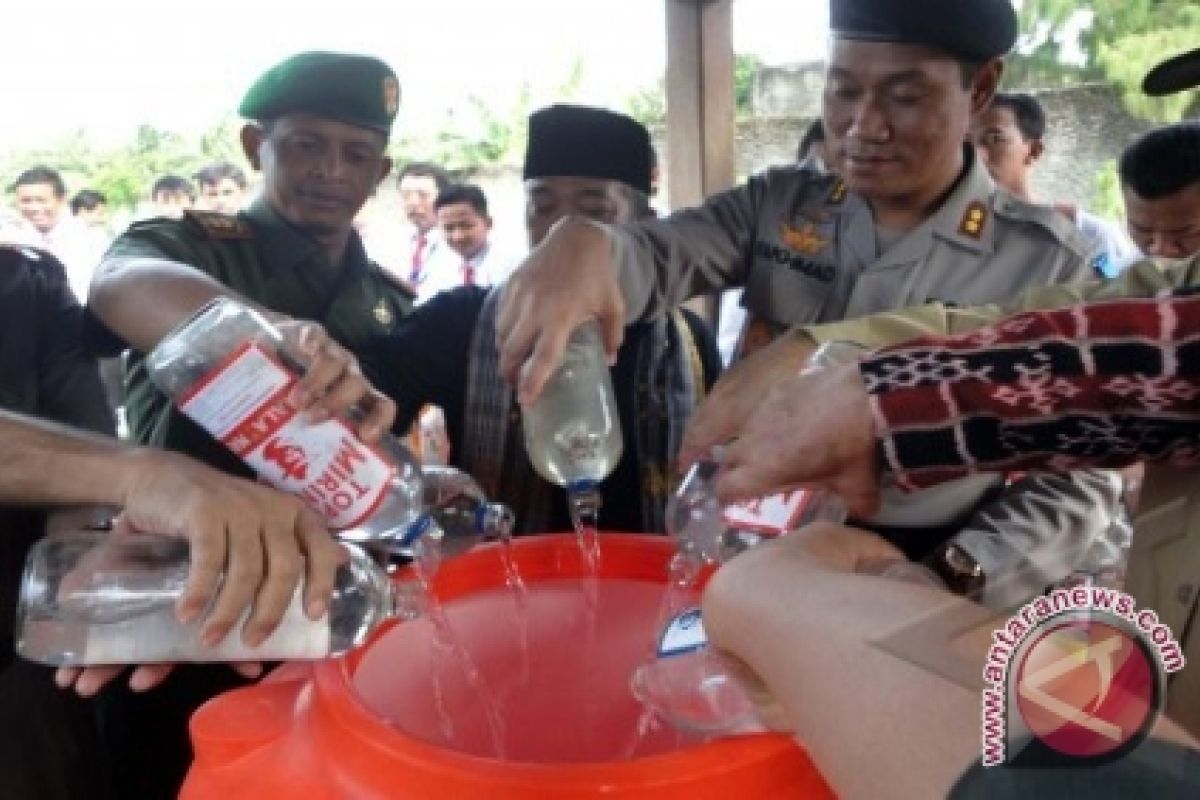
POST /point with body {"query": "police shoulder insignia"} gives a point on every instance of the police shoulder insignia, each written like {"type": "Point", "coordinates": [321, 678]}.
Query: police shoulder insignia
{"type": "Point", "coordinates": [973, 219]}
{"type": "Point", "coordinates": [804, 239]}
{"type": "Point", "coordinates": [837, 194]}
{"type": "Point", "coordinates": [220, 226]}
{"type": "Point", "coordinates": [383, 312]}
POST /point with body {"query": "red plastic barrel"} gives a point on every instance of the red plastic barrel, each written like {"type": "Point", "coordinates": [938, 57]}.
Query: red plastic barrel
{"type": "Point", "coordinates": [322, 730]}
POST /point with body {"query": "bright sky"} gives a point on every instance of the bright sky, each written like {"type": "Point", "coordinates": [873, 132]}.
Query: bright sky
{"type": "Point", "coordinates": [106, 67]}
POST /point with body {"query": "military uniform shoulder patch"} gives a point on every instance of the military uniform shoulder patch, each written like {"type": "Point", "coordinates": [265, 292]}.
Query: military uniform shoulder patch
{"type": "Point", "coordinates": [395, 282]}
{"type": "Point", "coordinates": [974, 218]}
{"type": "Point", "coordinates": [220, 226]}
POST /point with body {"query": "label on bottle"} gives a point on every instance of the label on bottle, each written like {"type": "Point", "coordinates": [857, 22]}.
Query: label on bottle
{"type": "Point", "coordinates": [773, 515]}
{"type": "Point", "coordinates": [683, 634]}
{"type": "Point", "coordinates": [159, 637]}
{"type": "Point", "coordinates": [243, 403]}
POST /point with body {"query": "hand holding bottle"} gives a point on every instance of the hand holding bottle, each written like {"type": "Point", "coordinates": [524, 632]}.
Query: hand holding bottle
{"type": "Point", "coordinates": [333, 384]}
{"type": "Point", "coordinates": [252, 546]}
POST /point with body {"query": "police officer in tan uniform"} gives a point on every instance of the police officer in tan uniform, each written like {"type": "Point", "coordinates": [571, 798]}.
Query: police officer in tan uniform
{"type": "Point", "coordinates": [908, 215]}
{"type": "Point", "coordinates": [1164, 560]}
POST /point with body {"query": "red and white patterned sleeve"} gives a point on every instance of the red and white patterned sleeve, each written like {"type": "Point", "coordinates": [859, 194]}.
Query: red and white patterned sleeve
{"type": "Point", "coordinates": [1102, 385]}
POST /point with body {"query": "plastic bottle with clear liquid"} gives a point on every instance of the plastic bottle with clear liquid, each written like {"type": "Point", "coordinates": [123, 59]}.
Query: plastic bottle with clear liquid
{"type": "Point", "coordinates": [90, 597]}
{"type": "Point", "coordinates": [228, 370]}
{"type": "Point", "coordinates": [686, 682]}
{"type": "Point", "coordinates": [573, 432]}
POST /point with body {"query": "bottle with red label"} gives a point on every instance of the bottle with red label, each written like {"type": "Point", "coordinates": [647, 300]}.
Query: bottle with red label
{"type": "Point", "coordinates": [227, 369]}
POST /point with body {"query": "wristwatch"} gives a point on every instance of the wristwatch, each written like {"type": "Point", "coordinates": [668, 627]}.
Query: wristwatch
{"type": "Point", "coordinates": [959, 570]}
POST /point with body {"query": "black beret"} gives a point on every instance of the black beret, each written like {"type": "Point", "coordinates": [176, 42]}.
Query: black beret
{"type": "Point", "coordinates": [582, 142]}
{"type": "Point", "coordinates": [358, 90]}
{"type": "Point", "coordinates": [973, 30]}
{"type": "Point", "coordinates": [1173, 75]}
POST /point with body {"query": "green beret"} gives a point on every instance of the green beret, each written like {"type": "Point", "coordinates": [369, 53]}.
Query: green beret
{"type": "Point", "coordinates": [1173, 75]}
{"type": "Point", "coordinates": [358, 90]}
{"type": "Point", "coordinates": [972, 30]}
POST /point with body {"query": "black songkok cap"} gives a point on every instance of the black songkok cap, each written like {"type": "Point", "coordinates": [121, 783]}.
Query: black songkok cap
{"type": "Point", "coordinates": [972, 30]}
{"type": "Point", "coordinates": [581, 142]}
{"type": "Point", "coordinates": [1174, 75]}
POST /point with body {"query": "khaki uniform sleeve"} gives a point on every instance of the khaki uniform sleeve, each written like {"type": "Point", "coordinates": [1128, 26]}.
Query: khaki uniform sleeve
{"type": "Point", "coordinates": [663, 262]}
{"type": "Point", "coordinates": [1144, 278]}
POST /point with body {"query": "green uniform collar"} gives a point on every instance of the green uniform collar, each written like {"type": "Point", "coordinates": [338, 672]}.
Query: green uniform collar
{"type": "Point", "coordinates": [285, 247]}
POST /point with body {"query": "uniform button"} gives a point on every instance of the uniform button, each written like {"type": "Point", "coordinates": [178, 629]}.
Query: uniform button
{"type": "Point", "coordinates": [1185, 593]}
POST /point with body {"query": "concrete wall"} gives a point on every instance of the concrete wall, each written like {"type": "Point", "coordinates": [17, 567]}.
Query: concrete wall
{"type": "Point", "coordinates": [1087, 127]}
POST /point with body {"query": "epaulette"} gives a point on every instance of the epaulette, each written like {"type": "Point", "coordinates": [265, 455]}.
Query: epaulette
{"type": "Point", "coordinates": [220, 226]}
{"type": "Point", "coordinates": [1048, 218]}
{"type": "Point", "coordinates": [400, 285]}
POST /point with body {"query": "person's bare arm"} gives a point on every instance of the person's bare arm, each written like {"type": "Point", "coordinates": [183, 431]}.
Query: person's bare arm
{"type": "Point", "coordinates": [143, 299]}
{"type": "Point", "coordinates": [250, 545]}
{"type": "Point", "coordinates": [808, 628]}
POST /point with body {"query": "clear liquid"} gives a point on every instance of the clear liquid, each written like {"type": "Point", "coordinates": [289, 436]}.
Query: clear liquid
{"type": "Point", "coordinates": [545, 710]}
{"type": "Point", "coordinates": [451, 658]}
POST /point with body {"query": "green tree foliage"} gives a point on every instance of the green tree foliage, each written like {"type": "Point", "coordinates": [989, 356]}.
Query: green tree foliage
{"type": "Point", "coordinates": [1119, 40]}
{"type": "Point", "coordinates": [125, 172]}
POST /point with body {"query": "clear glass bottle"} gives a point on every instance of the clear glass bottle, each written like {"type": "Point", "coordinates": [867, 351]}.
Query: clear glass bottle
{"type": "Point", "coordinates": [90, 598]}
{"type": "Point", "coordinates": [227, 369]}
{"type": "Point", "coordinates": [573, 431]}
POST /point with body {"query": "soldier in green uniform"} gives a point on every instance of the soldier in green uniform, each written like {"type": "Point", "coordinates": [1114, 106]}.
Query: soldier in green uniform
{"type": "Point", "coordinates": [318, 130]}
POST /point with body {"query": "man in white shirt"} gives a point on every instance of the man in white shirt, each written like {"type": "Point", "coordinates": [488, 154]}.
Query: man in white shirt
{"type": "Point", "coordinates": [46, 223]}
{"type": "Point", "coordinates": [420, 183]}
{"type": "Point", "coordinates": [1008, 137]}
{"type": "Point", "coordinates": [465, 225]}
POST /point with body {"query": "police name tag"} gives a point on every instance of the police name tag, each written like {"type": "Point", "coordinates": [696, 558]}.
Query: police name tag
{"type": "Point", "coordinates": [773, 515]}
{"type": "Point", "coordinates": [683, 634]}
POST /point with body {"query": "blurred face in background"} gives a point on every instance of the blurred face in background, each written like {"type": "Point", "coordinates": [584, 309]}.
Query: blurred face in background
{"type": "Point", "coordinates": [94, 217]}
{"type": "Point", "coordinates": [224, 196]}
{"type": "Point", "coordinates": [417, 193]}
{"type": "Point", "coordinates": [171, 204]}
{"type": "Point", "coordinates": [547, 200]}
{"type": "Point", "coordinates": [1003, 149]}
{"type": "Point", "coordinates": [1167, 227]}
{"type": "Point", "coordinates": [464, 228]}
{"type": "Point", "coordinates": [39, 204]}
